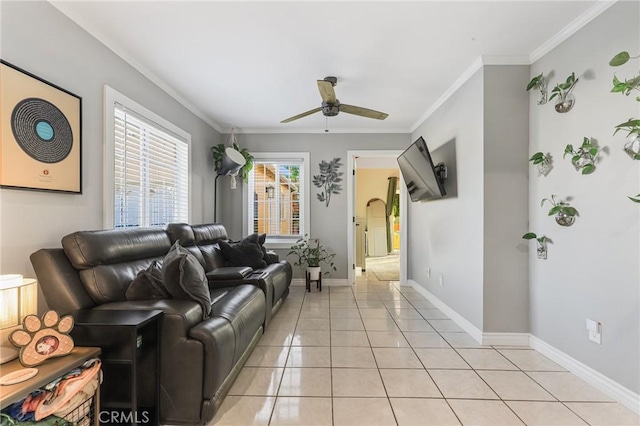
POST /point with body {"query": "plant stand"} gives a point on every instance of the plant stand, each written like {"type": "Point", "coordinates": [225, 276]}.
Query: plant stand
{"type": "Point", "coordinates": [309, 281]}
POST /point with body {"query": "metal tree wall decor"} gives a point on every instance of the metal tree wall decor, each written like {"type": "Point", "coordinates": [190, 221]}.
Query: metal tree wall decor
{"type": "Point", "coordinates": [328, 180]}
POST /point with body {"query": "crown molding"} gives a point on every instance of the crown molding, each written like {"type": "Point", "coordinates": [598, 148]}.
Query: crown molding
{"type": "Point", "coordinates": [318, 130]}
{"type": "Point", "coordinates": [582, 20]}
{"type": "Point", "coordinates": [122, 53]}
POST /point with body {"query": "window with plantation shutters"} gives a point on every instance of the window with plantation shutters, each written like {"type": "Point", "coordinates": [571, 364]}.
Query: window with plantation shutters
{"type": "Point", "coordinates": [276, 197]}
{"type": "Point", "coordinates": [148, 167]}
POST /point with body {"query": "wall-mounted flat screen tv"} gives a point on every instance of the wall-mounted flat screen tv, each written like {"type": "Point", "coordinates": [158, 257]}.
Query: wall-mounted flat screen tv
{"type": "Point", "coordinates": [424, 180]}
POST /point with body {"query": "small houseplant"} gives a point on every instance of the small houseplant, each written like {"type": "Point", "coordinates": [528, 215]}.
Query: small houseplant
{"type": "Point", "coordinates": [563, 92]}
{"type": "Point", "coordinates": [310, 254]}
{"type": "Point", "coordinates": [542, 243]}
{"type": "Point", "coordinates": [539, 83]}
{"type": "Point", "coordinates": [565, 214]}
{"type": "Point", "coordinates": [632, 147]}
{"type": "Point", "coordinates": [583, 158]}
{"type": "Point", "coordinates": [542, 162]}
{"type": "Point", "coordinates": [627, 86]}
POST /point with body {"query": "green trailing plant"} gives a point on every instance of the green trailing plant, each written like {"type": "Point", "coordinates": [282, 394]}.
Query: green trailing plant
{"type": "Point", "coordinates": [635, 199]}
{"type": "Point", "coordinates": [310, 255]}
{"type": "Point", "coordinates": [583, 158]}
{"type": "Point", "coordinates": [532, 236]}
{"type": "Point", "coordinates": [538, 82]}
{"type": "Point", "coordinates": [542, 162]}
{"type": "Point", "coordinates": [218, 151]}
{"type": "Point", "coordinates": [542, 243]}
{"type": "Point", "coordinates": [328, 180]}
{"type": "Point", "coordinates": [629, 85]}
{"type": "Point", "coordinates": [559, 206]}
{"type": "Point", "coordinates": [562, 90]}
{"type": "Point", "coordinates": [632, 127]}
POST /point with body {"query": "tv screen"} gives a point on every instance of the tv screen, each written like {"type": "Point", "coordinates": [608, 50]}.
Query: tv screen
{"type": "Point", "coordinates": [421, 176]}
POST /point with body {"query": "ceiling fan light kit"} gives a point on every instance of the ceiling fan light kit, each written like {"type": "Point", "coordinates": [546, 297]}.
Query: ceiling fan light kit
{"type": "Point", "coordinates": [331, 106]}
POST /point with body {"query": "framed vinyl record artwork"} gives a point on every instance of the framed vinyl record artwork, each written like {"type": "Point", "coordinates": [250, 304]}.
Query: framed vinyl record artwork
{"type": "Point", "coordinates": [41, 131]}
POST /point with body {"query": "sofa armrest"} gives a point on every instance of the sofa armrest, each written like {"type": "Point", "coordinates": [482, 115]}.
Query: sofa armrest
{"type": "Point", "coordinates": [229, 273]}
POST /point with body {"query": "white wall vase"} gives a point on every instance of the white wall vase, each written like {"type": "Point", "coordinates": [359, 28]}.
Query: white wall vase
{"type": "Point", "coordinates": [314, 272]}
{"type": "Point", "coordinates": [565, 104]}
{"type": "Point", "coordinates": [585, 160]}
{"type": "Point", "coordinates": [632, 147]}
{"type": "Point", "coordinates": [564, 219]}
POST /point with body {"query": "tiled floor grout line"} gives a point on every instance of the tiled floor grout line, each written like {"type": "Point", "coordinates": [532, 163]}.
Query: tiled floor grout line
{"type": "Point", "coordinates": [391, 305]}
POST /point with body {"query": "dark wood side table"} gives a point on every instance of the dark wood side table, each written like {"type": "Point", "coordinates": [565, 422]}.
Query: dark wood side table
{"type": "Point", "coordinates": [48, 371]}
{"type": "Point", "coordinates": [318, 282]}
{"type": "Point", "coordinates": [130, 343]}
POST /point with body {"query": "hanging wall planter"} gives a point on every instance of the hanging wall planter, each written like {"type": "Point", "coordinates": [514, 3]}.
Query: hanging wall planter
{"type": "Point", "coordinates": [565, 215]}
{"type": "Point", "coordinates": [632, 147]}
{"type": "Point", "coordinates": [565, 100]}
{"type": "Point", "coordinates": [541, 250]}
{"type": "Point", "coordinates": [542, 163]}
{"type": "Point", "coordinates": [538, 82]}
{"type": "Point", "coordinates": [583, 158]}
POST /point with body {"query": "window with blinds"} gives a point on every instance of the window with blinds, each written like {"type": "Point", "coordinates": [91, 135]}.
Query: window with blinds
{"type": "Point", "coordinates": [276, 198]}
{"type": "Point", "coordinates": [150, 165]}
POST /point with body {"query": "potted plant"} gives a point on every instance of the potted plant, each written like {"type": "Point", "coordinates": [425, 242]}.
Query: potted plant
{"type": "Point", "coordinates": [543, 163]}
{"type": "Point", "coordinates": [627, 86]}
{"type": "Point", "coordinates": [539, 83]}
{"type": "Point", "coordinates": [632, 147]}
{"type": "Point", "coordinates": [565, 214]}
{"type": "Point", "coordinates": [583, 158]}
{"type": "Point", "coordinates": [635, 199]}
{"type": "Point", "coordinates": [563, 92]}
{"type": "Point", "coordinates": [310, 254]}
{"type": "Point", "coordinates": [542, 243]}
{"type": "Point", "coordinates": [218, 151]}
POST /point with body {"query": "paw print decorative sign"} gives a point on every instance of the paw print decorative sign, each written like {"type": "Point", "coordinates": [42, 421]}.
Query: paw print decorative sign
{"type": "Point", "coordinates": [41, 339]}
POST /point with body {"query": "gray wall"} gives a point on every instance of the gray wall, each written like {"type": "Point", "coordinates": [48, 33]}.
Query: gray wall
{"type": "Point", "coordinates": [327, 223]}
{"type": "Point", "coordinates": [592, 267]}
{"type": "Point", "coordinates": [506, 128]}
{"type": "Point", "coordinates": [39, 39]}
{"type": "Point", "coordinates": [447, 235]}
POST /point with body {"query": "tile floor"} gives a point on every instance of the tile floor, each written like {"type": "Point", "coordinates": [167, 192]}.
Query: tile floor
{"type": "Point", "coordinates": [380, 354]}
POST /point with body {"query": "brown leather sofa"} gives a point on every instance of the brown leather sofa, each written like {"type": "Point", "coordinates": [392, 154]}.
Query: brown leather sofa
{"type": "Point", "coordinates": [200, 359]}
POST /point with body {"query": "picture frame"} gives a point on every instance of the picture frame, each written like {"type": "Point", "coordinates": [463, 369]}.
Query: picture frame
{"type": "Point", "coordinates": [40, 133]}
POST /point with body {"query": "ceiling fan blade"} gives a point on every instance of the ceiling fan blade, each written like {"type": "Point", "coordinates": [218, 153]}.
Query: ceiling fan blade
{"type": "Point", "coordinates": [364, 112]}
{"type": "Point", "coordinates": [326, 91]}
{"type": "Point", "coordinates": [304, 114]}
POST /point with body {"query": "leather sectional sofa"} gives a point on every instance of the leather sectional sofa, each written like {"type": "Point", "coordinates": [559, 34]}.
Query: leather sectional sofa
{"type": "Point", "coordinates": [200, 359]}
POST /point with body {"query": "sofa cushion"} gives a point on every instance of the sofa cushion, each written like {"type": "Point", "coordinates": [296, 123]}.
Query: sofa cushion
{"type": "Point", "coordinates": [244, 253]}
{"type": "Point", "coordinates": [148, 284]}
{"type": "Point", "coordinates": [184, 277]}
{"type": "Point", "coordinates": [229, 273]}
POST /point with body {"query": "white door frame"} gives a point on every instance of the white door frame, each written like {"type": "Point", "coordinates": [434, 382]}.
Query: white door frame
{"type": "Point", "coordinates": [351, 226]}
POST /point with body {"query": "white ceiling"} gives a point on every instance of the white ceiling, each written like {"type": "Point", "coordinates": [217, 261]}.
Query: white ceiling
{"type": "Point", "coordinates": [250, 65]}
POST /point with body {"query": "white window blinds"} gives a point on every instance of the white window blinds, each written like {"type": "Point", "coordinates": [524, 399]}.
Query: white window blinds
{"type": "Point", "coordinates": [151, 172]}
{"type": "Point", "coordinates": [276, 198]}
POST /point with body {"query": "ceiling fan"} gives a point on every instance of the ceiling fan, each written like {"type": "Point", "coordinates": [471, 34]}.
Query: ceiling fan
{"type": "Point", "coordinates": [331, 106]}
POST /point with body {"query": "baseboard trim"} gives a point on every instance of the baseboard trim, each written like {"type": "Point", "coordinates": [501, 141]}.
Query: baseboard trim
{"type": "Point", "coordinates": [604, 384]}
{"type": "Point", "coordinates": [506, 339]}
{"type": "Point", "coordinates": [461, 321]}
{"type": "Point", "coordinates": [326, 282]}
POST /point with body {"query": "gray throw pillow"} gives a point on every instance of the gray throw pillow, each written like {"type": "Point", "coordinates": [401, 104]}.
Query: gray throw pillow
{"type": "Point", "coordinates": [244, 253]}
{"type": "Point", "coordinates": [148, 284]}
{"type": "Point", "coordinates": [184, 278]}
{"type": "Point", "coordinates": [262, 238]}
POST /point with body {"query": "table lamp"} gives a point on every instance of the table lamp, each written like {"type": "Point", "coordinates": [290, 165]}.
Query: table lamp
{"type": "Point", "coordinates": [18, 298]}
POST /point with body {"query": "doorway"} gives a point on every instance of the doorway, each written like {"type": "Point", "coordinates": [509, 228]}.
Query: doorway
{"type": "Point", "coordinates": [376, 237]}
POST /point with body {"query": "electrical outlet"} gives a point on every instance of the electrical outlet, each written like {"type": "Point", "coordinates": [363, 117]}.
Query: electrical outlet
{"type": "Point", "coordinates": [428, 272]}
{"type": "Point", "coordinates": [595, 331]}
{"type": "Point", "coordinates": [441, 280]}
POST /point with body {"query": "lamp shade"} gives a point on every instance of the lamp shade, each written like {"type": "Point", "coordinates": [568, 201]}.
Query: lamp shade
{"type": "Point", "coordinates": [18, 298]}
{"type": "Point", "coordinates": [232, 161]}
